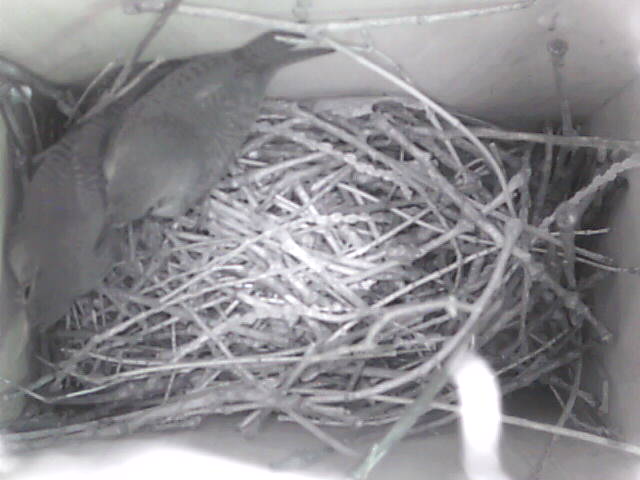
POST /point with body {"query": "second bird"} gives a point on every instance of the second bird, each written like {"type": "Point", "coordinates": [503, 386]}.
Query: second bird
{"type": "Point", "coordinates": [59, 247]}
{"type": "Point", "coordinates": [177, 141]}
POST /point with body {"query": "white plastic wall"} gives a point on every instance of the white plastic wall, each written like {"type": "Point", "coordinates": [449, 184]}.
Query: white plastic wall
{"type": "Point", "coordinates": [617, 300]}
{"type": "Point", "coordinates": [496, 67]}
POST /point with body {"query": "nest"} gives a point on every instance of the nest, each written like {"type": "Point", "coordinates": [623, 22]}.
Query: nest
{"type": "Point", "coordinates": [355, 246]}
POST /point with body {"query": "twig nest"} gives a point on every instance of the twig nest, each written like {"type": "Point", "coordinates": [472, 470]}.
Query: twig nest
{"type": "Point", "coordinates": [351, 242]}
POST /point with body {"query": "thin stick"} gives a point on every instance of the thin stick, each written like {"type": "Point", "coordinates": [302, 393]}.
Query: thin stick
{"type": "Point", "coordinates": [140, 6]}
{"type": "Point", "coordinates": [566, 413]}
{"type": "Point", "coordinates": [628, 448]}
{"type": "Point", "coordinates": [103, 73]}
{"type": "Point", "coordinates": [543, 138]}
{"type": "Point", "coordinates": [429, 104]}
{"type": "Point", "coordinates": [422, 403]}
{"type": "Point", "coordinates": [167, 10]}
{"type": "Point", "coordinates": [118, 88]}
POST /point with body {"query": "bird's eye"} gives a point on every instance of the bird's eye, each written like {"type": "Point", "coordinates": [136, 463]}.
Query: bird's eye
{"type": "Point", "coordinates": [26, 291]}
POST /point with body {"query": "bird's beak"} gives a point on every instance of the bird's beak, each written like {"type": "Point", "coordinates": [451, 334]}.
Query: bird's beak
{"type": "Point", "coordinates": [297, 42]}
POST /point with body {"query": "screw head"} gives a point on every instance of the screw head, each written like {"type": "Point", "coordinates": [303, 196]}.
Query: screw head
{"type": "Point", "coordinates": [558, 47]}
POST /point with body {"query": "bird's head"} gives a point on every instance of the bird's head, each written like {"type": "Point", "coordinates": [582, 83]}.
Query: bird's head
{"type": "Point", "coordinates": [277, 48]}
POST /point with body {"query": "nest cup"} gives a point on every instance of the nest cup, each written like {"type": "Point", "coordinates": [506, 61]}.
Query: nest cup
{"type": "Point", "coordinates": [353, 239]}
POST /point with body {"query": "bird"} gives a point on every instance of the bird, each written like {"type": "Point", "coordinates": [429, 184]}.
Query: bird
{"type": "Point", "coordinates": [176, 141]}
{"type": "Point", "coordinates": [54, 252]}
{"type": "Point", "coordinates": [60, 247]}
{"type": "Point", "coordinates": [61, 279]}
